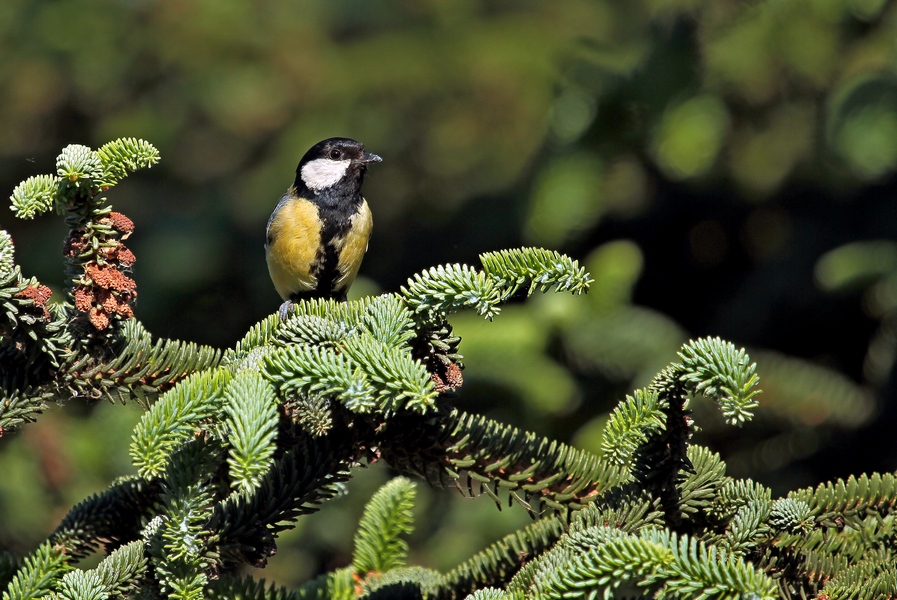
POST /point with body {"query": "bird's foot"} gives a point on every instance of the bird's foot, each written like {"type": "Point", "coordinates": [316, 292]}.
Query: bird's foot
{"type": "Point", "coordinates": [285, 309]}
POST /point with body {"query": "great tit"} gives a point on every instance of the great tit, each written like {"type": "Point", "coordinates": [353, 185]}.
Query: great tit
{"type": "Point", "coordinates": [319, 230]}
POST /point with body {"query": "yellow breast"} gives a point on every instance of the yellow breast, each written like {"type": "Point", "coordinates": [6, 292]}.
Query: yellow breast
{"type": "Point", "coordinates": [353, 246]}
{"type": "Point", "coordinates": [294, 235]}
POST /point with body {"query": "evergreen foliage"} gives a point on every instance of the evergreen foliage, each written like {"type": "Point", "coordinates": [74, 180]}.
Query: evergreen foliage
{"type": "Point", "coordinates": [379, 546]}
{"type": "Point", "coordinates": [234, 447]}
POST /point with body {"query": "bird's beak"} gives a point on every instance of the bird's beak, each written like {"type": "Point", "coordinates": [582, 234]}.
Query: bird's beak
{"type": "Point", "coordinates": [367, 157]}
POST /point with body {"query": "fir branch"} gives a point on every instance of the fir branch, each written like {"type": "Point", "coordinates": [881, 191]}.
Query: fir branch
{"type": "Point", "coordinates": [661, 462]}
{"type": "Point", "coordinates": [621, 557]}
{"type": "Point", "coordinates": [501, 561]}
{"type": "Point", "coordinates": [387, 516]}
{"type": "Point", "coordinates": [364, 374]}
{"type": "Point", "coordinates": [436, 347]}
{"type": "Point", "coordinates": [458, 447]}
{"type": "Point", "coordinates": [629, 426]}
{"type": "Point", "coordinates": [82, 585]}
{"type": "Point", "coordinates": [110, 518]}
{"type": "Point", "coordinates": [625, 507]}
{"type": "Point", "coordinates": [228, 587]}
{"type": "Point", "coordinates": [306, 474]}
{"type": "Point", "coordinates": [336, 585]}
{"type": "Point", "coordinates": [7, 259]}
{"type": "Point", "coordinates": [855, 495]}
{"type": "Point", "coordinates": [400, 382]}
{"type": "Point", "coordinates": [180, 541]}
{"type": "Point", "coordinates": [78, 164]}
{"type": "Point", "coordinates": [388, 321]}
{"type": "Point", "coordinates": [39, 573]}
{"type": "Point", "coordinates": [701, 569]}
{"type": "Point", "coordinates": [699, 488]}
{"type": "Point", "coordinates": [311, 329]}
{"type": "Point", "coordinates": [117, 575]}
{"type": "Point", "coordinates": [449, 288]}
{"type": "Point", "coordinates": [33, 342]}
{"type": "Point", "coordinates": [735, 493]}
{"type": "Point", "coordinates": [791, 516]}
{"type": "Point", "coordinates": [402, 582]}
{"type": "Point", "coordinates": [313, 414]}
{"type": "Point", "coordinates": [676, 566]}
{"type": "Point", "coordinates": [305, 370]}
{"type": "Point", "coordinates": [175, 418]}
{"type": "Point", "coordinates": [869, 579]}
{"type": "Point", "coordinates": [749, 527]}
{"type": "Point", "coordinates": [537, 268]}
{"type": "Point", "coordinates": [143, 368]}
{"type": "Point", "coordinates": [20, 404]}
{"type": "Point", "coordinates": [489, 594]}
{"type": "Point", "coordinates": [720, 371]}
{"type": "Point", "coordinates": [259, 335]}
{"type": "Point", "coordinates": [347, 313]}
{"type": "Point", "coordinates": [34, 196]}
{"type": "Point", "coordinates": [125, 155]}
{"type": "Point", "coordinates": [251, 425]}
{"type": "Point", "coordinates": [95, 258]}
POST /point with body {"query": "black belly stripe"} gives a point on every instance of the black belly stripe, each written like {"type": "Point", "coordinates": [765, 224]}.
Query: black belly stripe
{"type": "Point", "coordinates": [337, 221]}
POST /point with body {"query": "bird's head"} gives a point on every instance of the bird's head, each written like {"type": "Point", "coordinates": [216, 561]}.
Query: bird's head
{"type": "Point", "coordinates": [332, 162]}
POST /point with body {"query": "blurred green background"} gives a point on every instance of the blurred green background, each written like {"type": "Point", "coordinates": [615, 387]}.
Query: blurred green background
{"type": "Point", "coordinates": [722, 167]}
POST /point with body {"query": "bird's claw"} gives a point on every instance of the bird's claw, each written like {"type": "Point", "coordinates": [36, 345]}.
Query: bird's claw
{"type": "Point", "coordinates": [284, 310]}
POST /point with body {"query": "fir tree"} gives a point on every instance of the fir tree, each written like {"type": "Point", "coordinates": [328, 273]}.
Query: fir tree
{"type": "Point", "coordinates": [235, 446]}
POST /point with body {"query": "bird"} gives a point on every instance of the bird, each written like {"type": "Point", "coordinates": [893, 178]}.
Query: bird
{"type": "Point", "coordinates": [318, 233]}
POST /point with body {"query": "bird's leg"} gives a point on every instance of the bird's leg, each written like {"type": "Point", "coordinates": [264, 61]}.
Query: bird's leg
{"type": "Point", "coordinates": [285, 308]}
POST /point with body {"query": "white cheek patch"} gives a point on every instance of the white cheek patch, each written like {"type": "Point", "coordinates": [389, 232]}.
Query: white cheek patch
{"type": "Point", "coordinates": [322, 173]}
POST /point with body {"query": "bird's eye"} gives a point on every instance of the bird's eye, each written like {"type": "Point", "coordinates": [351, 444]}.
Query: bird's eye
{"type": "Point", "coordinates": [335, 154]}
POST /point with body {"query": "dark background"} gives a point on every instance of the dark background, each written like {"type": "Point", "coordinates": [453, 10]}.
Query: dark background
{"type": "Point", "coordinates": [722, 168]}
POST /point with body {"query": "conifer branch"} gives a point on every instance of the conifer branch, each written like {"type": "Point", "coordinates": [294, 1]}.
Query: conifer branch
{"type": "Point", "coordinates": [251, 426]}
{"type": "Point", "coordinates": [400, 382]}
{"type": "Point", "coordinates": [723, 373]}
{"type": "Point", "coordinates": [402, 582]}
{"type": "Point", "coordinates": [110, 518]}
{"type": "Point", "coordinates": [118, 575]}
{"type": "Point", "coordinates": [307, 473]}
{"type": "Point", "coordinates": [490, 594]}
{"type": "Point", "coordinates": [336, 585]}
{"type": "Point", "coordinates": [305, 370]}
{"type": "Point", "coordinates": [876, 576]}
{"type": "Point", "coordinates": [175, 418]}
{"type": "Point", "coordinates": [483, 456]}
{"type": "Point", "coordinates": [34, 196]}
{"type": "Point", "coordinates": [447, 289]}
{"type": "Point", "coordinates": [119, 157]}
{"type": "Point", "coordinates": [379, 546]}
{"type": "Point", "coordinates": [228, 587]}
{"type": "Point", "coordinates": [450, 288]}
{"type": "Point", "coordinates": [89, 345]}
{"type": "Point", "coordinates": [142, 368]}
{"type": "Point", "coordinates": [39, 574]}
{"type": "Point", "coordinates": [699, 488]}
{"type": "Point", "coordinates": [501, 561]}
{"type": "Point", "coordinates": [629, 426]}
{"type": "Point", "coordinates": [672, 565]}
{"type": "Point", "coordinates": [179, 541]}
{"type": "Point", "coordinates": [388, 320]}
{"type": "Point", "coordinates": [535, 269]}
{"type": "Point", "coordinates": [853, 496]}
